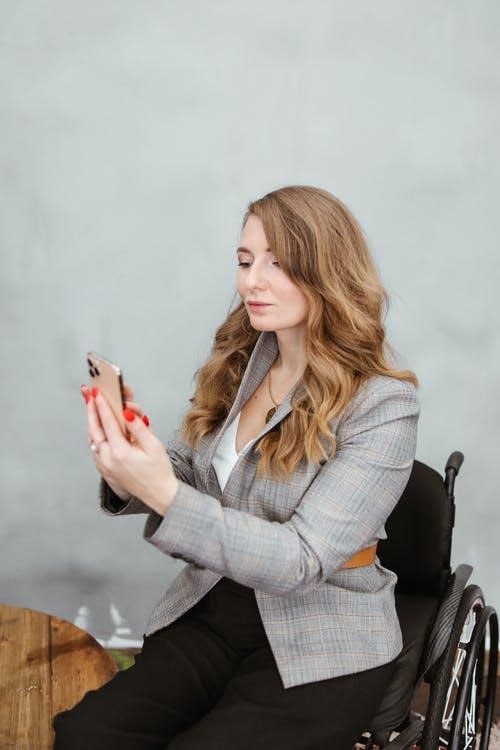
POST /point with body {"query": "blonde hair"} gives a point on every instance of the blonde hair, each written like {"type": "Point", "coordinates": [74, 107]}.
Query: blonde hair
{"type": "Point", "coordinates": [321, 247]}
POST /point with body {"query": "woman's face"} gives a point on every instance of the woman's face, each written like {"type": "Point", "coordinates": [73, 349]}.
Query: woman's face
{"type": "Point", "coordinates": [260, 279]}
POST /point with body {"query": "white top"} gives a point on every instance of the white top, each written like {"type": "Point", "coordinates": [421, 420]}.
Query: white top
{"type": "Point", "coordinates": [226, 456]}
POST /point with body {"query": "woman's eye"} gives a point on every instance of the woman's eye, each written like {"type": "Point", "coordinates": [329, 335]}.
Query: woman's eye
{"type": "Point", "coordinates": [245, 263]}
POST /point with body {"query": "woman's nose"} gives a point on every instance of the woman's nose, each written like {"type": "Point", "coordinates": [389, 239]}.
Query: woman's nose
{"type": "Point", "coordinates": [256, 276]}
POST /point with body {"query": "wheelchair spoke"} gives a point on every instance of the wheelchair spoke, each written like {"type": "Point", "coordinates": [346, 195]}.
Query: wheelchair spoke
{"type": "Point", "coordinates": [470, 723]}
{"type": "Point", "coordinates": [453, 686]}
{"type": "Point", "coordinates": [470, 714]}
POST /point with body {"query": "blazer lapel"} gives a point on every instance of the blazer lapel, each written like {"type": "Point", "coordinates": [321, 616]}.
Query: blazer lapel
{"type": "Point", "coordinates": [262, 357]}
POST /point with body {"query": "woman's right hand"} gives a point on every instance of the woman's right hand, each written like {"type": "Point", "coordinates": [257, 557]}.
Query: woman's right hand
{"type": "Point", "coordinates": [94, 425]}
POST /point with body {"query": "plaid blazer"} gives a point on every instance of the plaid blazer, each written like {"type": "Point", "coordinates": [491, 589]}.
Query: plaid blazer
{"type": "Point", "coordinates": [289, 539]}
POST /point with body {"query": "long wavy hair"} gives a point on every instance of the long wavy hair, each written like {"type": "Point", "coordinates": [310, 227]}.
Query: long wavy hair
{"type": "Point", "coordinates": [320, 246]}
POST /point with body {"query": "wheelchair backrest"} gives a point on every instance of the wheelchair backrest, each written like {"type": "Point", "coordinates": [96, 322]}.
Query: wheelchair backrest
{"type": "Point", "coordinates": [419, 534]}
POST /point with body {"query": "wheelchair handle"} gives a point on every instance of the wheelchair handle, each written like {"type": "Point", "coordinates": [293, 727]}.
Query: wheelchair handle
{"type": "Point", "coordinates": [453, 465]}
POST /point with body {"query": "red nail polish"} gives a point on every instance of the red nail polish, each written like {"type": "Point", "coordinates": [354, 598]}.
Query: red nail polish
{"type": "Point", "coordinates": [85, 393]}
{"type": "Point", "coordinates": [129, 415]}
{"type": "Point", "coordinates": [95, 391]}
{"type": "Point", "coordinates": [145, 420]}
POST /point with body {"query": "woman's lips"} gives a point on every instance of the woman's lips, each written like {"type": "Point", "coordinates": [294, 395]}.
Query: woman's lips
{"type": "Point", "coordinates": [258, 307]}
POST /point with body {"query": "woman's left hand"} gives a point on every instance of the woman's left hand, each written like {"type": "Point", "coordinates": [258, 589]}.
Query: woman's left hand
{"type": "Point", "coordinates": [142, 468]}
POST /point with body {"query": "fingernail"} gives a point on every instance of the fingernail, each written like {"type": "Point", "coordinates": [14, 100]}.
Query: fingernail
{"type": "Point", "coordinates": [85, 393]}
{"type": "Point", "coordinates": [95, 391]}
{"type": "Point", "coordinates": [129, 415]}
{"type": "Point", "coordinates": [145, 419]}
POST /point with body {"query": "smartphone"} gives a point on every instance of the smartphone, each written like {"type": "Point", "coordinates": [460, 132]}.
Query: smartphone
{"type": "Point", "coordinates": [108, 378]}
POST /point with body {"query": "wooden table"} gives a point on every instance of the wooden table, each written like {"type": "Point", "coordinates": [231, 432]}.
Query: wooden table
{"type": "Point", "coordinates": [46, 666]}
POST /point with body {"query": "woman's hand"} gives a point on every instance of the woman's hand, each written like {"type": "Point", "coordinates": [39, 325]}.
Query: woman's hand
{"type": "Point", "coordinates": [129, 394]}
{"type": "Point", "coordinates": [140, 467]}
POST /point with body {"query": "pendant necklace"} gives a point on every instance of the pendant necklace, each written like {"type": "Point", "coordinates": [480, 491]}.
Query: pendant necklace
{"type": "Point", "coordinates": [270, 414]}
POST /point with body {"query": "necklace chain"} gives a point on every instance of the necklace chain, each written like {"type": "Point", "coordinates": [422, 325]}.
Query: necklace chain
{"type": "Point", "coordinates": [272, 410]}
{"type": "Point", "coordinates": [269, 387]}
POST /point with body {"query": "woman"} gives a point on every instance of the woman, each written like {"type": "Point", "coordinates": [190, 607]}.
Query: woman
{"type": "Point", "coordinates": [281, 631]}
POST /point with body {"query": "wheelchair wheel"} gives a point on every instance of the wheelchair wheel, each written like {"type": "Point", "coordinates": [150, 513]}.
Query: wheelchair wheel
{"type": "Point", "coordinates": [462, 696]}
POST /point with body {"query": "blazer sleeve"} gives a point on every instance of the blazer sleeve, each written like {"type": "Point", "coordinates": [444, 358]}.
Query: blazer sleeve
{"type": "Point", "coordinates": [181, 458]}
{"type": "Point", "coordinates": [343, 510]}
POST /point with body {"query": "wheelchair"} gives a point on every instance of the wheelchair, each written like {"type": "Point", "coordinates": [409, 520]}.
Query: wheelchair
{"type": "Point", "coordinates": [450, 636]}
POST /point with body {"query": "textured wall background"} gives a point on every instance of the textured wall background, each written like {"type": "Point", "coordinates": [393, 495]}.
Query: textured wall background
{"type": "Point", "coordinates": [132, 136]}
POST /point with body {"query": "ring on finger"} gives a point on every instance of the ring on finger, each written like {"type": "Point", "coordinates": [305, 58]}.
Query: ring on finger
{"type": "Point", "coordinates": [95, 447]}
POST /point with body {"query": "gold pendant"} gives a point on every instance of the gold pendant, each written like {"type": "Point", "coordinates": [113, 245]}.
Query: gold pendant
{"type": "Point", "coordinates": [270, 414]}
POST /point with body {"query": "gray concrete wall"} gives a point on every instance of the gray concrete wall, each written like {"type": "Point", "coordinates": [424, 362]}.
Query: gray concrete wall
{"type": "Point", "coordinates": [132, 136]}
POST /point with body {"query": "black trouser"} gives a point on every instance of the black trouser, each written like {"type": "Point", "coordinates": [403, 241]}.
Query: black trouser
{"type": "Point", "coordinates": [209, 681]}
